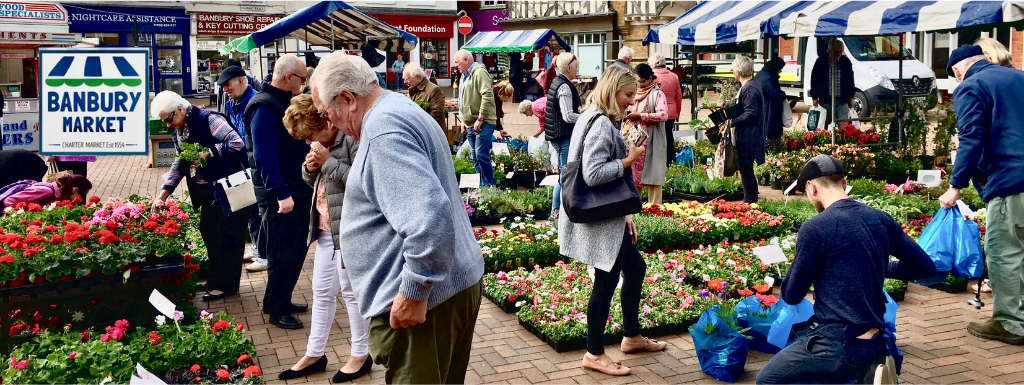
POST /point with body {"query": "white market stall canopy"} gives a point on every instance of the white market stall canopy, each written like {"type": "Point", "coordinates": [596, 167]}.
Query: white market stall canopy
{"type": "Point", "coordinates": [724, 22]}
{"type": "Point", "coordinates": [870, 18]}
{"type": "Point", "coordinates": [514, 41]}
{"type": "Point", "coordinates": [331, 24]}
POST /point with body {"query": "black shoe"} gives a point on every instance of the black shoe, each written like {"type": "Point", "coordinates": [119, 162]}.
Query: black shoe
{"type": "Point", "coordinates": [296, 308]}
{"type": "Point", "coordinates": [319, 366]}
{"type": "Point", "coordinates": [346, 377]}
{"type": "Point", "coordinates": [213, 297]}
{"type": "Point", "coordinates": [286, 321]}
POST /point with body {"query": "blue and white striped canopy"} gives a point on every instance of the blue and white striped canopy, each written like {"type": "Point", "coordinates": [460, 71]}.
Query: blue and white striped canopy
{"type": "Point", "coordinates": [869, 18]}
{"type": "Point", "coordinates": [722, 22]}
{"type": "Point", "coordinates": [514, 41]}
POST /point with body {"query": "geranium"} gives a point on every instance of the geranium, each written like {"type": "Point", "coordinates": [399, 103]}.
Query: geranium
{"type": "Point", "coordinates": [221, 325]}
{"type": "Point", "coordinates": [242, 358]}
{"type": "Point", "coordinates": [766, 300]}
{"type": "Point", "coordinates": [745, 292]}
{"type": "Point", "coordinates": [194, 368]}
{"type": "Point", "coordinates": [154, 339]}
{"type": "Point", "coordinates": [252, 371]}
{"type": "Point", "coordinates": [762, 288]}
{"type": "Point", "coordinates": [222, 374]}
{"type": "Point", "coordinates": [72, 355]}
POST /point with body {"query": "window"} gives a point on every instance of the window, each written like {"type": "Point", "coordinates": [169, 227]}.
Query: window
{"type": "Point", "coordinates": [106, 39]}
{"type": "Point", "coordinates": [876, 48]}
{"type": "Point", "coordinates": [168, 39]}
{"type": "Point", "coordinates": [494, 3]}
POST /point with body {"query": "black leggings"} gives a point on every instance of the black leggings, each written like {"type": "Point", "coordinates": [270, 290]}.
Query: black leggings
{"type": "Point", "coordinates": [633, 269]}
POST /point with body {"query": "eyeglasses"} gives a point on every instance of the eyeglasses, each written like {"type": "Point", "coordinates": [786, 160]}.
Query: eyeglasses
{"type": "Point", "coordinates": [170, 117]}
{"type": "Point", "coordinates": [323, 114]}
{"type": "Point", "coordinates": [300, 77]}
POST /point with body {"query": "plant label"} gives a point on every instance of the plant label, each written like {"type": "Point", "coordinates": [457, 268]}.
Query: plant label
{"type": "Point", "coordinates": [550, 180]}
{"type": "Point", "coordinates": [470, 181]}
{"type": "Point", "coordinates": [770, 254]}
{"type": "Point", "coordinates": [849, 188]}
{"type": "Point", "coordinates": [964, 209]}
{"type": "Point", "coordinates": [770, 281]}
{"type": "Point", "coordinates": [500, 148]}
{"type": "Point", "coordinates": [790, 188]}
{"type": "Point", "coordinates": [929, 178]}
{"type": "Point", "coordinates": [711, 174]}
{"type": "Point", "coordinates": [162, 304]}
{"type": "Point", "coordinates": [952, 156]}
{"type": "Point", "coordinates": [509, 175]}
{"type": "Point", "coordinates": [145, 377]}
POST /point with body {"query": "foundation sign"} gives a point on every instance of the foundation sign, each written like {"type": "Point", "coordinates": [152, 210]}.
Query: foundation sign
{"type": "Point", "coordinates": [226, 24]}
{"type": "Point", "coordinates": [94, 101]}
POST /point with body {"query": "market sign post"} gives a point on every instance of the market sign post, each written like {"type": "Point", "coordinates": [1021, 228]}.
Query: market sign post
{"type": "Point", "coordinates": [94, 101]}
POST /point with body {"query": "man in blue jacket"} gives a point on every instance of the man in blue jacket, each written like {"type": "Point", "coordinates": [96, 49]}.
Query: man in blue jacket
{"type": "Point", "coordinates": [991, 132]}
{"type": "Point", "coordinates": [234, 83]}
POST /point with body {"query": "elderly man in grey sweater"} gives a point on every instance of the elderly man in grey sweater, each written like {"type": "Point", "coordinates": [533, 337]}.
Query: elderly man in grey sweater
{"type": "Point", "coordinates": [405, 236]}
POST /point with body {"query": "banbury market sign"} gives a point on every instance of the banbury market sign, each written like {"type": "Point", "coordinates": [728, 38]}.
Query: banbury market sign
{"type": "Point", "coordinates": [225, 24]}
{"type": "Point", "coordinates": [94, 101]}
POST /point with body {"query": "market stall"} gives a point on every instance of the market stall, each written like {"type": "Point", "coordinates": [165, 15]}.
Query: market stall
{"type": "Point", "coordinates": [23, 30]}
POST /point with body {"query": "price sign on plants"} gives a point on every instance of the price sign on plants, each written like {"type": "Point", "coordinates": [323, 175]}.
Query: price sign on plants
{"type": "Point", "coordinates": [94, 101]}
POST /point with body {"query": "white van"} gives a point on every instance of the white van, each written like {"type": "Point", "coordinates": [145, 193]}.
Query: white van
{"type": "Point", "coordinates": [876, 65]}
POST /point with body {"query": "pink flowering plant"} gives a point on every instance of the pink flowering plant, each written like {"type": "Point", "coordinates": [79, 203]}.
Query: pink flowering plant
{"type": "Point", "coordinates": [524, 242]}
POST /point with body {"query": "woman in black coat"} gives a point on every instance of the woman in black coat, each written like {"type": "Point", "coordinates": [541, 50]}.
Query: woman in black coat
{"type": "Point", "coordinates": [768, 80]}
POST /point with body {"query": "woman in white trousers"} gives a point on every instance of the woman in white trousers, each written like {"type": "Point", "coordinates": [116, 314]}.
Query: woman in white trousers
{"type": "Point", "coordinates": [326, 169]}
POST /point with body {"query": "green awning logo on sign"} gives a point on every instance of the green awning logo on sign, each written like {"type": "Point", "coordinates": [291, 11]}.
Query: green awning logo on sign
{"type": "Point", "coordinates": [92, 76]}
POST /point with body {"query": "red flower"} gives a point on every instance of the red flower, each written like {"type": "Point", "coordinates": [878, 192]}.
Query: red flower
{"type": "Point", "coordinates": [222, 374]}
{"type": "Point", "coordinates": [85, 335]}
{"type": "Point", "coordinates": [511, 297]}
{"type": "Point", "coordinates": [56, 239]}
{"type": "Point", "coordinates": [715, 284]}
{"type": "Point", "coordinates": [242, 358]}
{"type": "Point", "coordinates": [150, 225]}
{"type": "Point", "coordinates": [77, 200]}
{"type": "Point", "coordinates": [241, 327]}
{"type": "Point", "coordinates": [94, 199]}
{"type": "Point", "coordinates": [188, 258]}
{"type": "Point", "coordinates": [221, 325]}
{"type": "Point", "coordinates": [767, 300]}
{"type": "Point", "coordinates": [192, 268]}
{"type": "Point", "coordinates": [745, 292]}
{"type": "Point", "coordinates": [7, 259]}
{"type": "Point", "coordinates": [252, 371]}
{"type": "Point", "coordinates": [762, 288]}
{"type": "Point", "coordinates": [194, 368]}
{"type": "Point", "coordinates": [154, 339]}
{"type": "Point", "coordinates": [34, 207]}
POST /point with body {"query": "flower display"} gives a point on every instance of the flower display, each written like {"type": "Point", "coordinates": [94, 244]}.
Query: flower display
{"type": "Point", "coordinates": [705, 224]}
{"type": "Point", "coordinates": [523, 243]}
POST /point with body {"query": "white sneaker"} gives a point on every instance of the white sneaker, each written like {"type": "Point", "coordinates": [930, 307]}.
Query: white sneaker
{"type": "Point", "coordinates": [253, 253]}
{"type": "Point", "coordinates": [258, 264]}
{"type": "Point", "coordinates": [886, 374]}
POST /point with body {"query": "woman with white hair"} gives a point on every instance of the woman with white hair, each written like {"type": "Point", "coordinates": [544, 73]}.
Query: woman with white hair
{"type": "Point", "coordinates": [562, 113]}
{"type": "Point", "coordinates": [672, 88]}
{"type": "Point", "coordinates": [223, 231]}
{"type": "Point", "coordinates": [748, 126]}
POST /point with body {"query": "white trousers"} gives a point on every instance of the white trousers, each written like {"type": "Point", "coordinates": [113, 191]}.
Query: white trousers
{"type": "Point", "coordinates": [328, 277]}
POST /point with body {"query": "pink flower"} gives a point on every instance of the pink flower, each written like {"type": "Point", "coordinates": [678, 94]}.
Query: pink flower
{"type": "Point", "coordinates": [22, 365]}
{"type": "Point", "coordinates": [105, 338]}
{"type": "Point", "coordinates": [72, 355]}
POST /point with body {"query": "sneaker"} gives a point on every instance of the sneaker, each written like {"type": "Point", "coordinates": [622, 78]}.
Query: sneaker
{"type": "Point", "coordinates": [886, 374]}
{"type": "Point", "coordinates": [253, 253]}
{"type": "Point", "coordinates": [258, 264]}
{"type": "Point", "coordinates": [993, 330]}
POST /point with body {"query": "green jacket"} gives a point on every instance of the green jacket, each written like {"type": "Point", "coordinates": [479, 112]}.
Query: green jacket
{"type": "Point", "coordinates": [476, 97]}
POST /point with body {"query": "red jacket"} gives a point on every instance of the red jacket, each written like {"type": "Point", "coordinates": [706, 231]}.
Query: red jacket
{"type": "Point", "coordinates": [669, 84]}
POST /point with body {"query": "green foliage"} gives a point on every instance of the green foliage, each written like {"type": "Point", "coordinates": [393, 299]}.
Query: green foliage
{"type": "Point", "coordinates": [866, 187]}
{"type": "Point", "coordinates": [190, 152]}
{"type": "Point", "coordinates": [971, 197]}
{"type": "Point", "coordinates": [463, 166]}
{"type": "Point", "coordinates": [491, 201]}
{"type": "Point", "coordinates": [702, 151]}
{"type": "Point", "coordinates": [797, 210]}
{"type": "Point", "coordinates": [916, 127]}
{"type": "Point", "coordinates": [894, 285]}
{"type": "Point", "coordinates": [695, 181]}
{"type": "Point", "coordinates": [945, 130]}
{"type": "Point", "coordinates": [895, 165]}
{"type": "Point", "coordinates": [699, 124]}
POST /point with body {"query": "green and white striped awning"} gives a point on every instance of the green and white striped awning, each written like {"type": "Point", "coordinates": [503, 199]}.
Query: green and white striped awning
{"type": "Point", "coordinates": [514, 41]}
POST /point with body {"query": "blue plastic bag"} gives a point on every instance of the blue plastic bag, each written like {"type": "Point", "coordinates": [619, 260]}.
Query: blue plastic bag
{"type": "Point", "coordinates": [722, 352]}
{"type": "Point", "coordinates": [890, 331]}
{"type": "Point", "coordinates": [968, 262]}
{"type": "Point", "coordinates": [789, 315]}
{"type": "Point", "coordinates": [750, 315]}
{"type": "Point", "coordinates": [937, 239]}
{"type": "Point", "coordinates": [685, 157]}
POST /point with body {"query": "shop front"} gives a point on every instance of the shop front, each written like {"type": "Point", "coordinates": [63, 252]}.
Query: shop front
{"type": "Point", "coordinates": [213, 31]}
{"type": "Point", "coordinates": [164, 31]}
{"type": "Point", "coordinates": [437, 43]}
{"type": "Point", "coordinates": [24, 28]}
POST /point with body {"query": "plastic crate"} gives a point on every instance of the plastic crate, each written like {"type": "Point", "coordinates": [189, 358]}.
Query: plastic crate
{"type": "Point", "coordinates": [158, 127]}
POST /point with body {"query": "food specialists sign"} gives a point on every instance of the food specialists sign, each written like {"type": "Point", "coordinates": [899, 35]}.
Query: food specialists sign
{"type": "Point", "coordinates": [94, 101]}
{"type": "Point", "coordinates": [32, 12]}
{"type": "Point", "coordinates": [225, 24]}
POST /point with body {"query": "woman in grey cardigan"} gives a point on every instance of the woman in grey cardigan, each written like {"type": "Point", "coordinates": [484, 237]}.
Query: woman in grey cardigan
{"type": "Point", "coordinates": [608, 246]}
{"type": "Point", "coordinates": [326, 170]}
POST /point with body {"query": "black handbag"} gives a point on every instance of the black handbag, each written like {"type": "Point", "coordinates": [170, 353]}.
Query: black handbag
{"type": "Point", "coordinates": [585, 204]}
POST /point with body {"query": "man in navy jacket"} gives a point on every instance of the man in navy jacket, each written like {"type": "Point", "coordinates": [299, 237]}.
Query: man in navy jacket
{"type": "Point", "coordinates": [991, 132]}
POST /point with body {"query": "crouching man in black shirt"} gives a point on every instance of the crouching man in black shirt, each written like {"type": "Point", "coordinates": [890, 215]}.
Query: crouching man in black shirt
{"type": "Point", "coordinates": [844, 252]}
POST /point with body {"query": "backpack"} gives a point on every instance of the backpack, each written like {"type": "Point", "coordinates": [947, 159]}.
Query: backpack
{"type": "Point", "coordinates": [16, 187]}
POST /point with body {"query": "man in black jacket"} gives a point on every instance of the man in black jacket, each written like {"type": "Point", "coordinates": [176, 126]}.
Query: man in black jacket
{"type": "Point", "coordinates": [285, 199]}
{"type": "Point", "coordinates": [838, 69]}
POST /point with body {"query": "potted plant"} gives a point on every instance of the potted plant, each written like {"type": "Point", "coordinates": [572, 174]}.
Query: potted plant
{"type": "Point", "coordinates": [897, 289]}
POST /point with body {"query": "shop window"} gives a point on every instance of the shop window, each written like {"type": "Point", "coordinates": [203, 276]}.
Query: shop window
{"type": "Point", "coordinates": [172, 84]}
{"type": "Point", "coordinates": [434, 56]}
{"type": "Point", "coordinates": [169, 61]}
{"type": "Point", "coordinates": [106, 38]}
{"type": "Point", "coordinates": [140, 40]}
{"type": "Point", "coordinates": [494, 3]}
{"type": "Point", "coordinates": [168, 39]}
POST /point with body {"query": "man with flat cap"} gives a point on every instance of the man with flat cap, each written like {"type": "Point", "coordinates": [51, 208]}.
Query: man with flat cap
{"type": "Point", "coordinates": [234, 83]}
{"type": "Point", "coordinates": [844, 252]}
{"type": "Point", "coordinates": [991, 131]}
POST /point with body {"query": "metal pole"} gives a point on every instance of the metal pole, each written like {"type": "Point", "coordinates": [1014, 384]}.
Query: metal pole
{"type": "Point", "coordinates": [693, 84]}
{"type": "Point", "coordinates": [899, 99]}
{"type": "Point", "coordinates": [834, 76]}
{"type": "Point", "coordinates": [332, 33]}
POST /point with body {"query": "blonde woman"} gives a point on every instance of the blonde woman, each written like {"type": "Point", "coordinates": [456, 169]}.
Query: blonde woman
{"type": "Point", "coordinates": [995, 52]}
{"type": "Point", "coordinates": [326, 170]}
{"type": "Point", "coordinates": [608, 246]}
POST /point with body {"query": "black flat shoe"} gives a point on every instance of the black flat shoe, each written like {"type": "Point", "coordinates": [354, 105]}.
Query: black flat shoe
{"type": "Point", "coordinates": [213, 297]}
{"type": "Point", "coordinates": [346, 377]}
{"type": "Point", "coordinates": [319, 366]}
{"type": "Point", "coordinates": [295, 308]}
{"type": "Point", "coordinates": [286, 321]}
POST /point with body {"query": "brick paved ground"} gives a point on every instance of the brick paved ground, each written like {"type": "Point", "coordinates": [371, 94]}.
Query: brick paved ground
{"type": "Point", "coordinates": [931, 329]}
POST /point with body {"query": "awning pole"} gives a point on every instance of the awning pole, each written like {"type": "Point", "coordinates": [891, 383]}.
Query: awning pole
{"type": "Point", "coordinates": [834, 76]}
{"type": "Point", "coordinates": [899, 96]}
{"type": "Point", "coordinates": [693, 84]}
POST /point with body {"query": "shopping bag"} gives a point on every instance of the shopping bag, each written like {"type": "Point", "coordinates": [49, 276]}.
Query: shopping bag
{"type": "Point", "coordinates": [685, 156]}
{"type": "Point", "coordinates": [235, 192]}
{"type": "Point", "coordinates": [890, 331]}
{"type": "Point", "coordinates": [938, 238]}
{"type": "Point", "coordinates": [751, 315]}
{"type": "Point", "coordinates": [816, 118]}
{"type": "Point", "coordinates": [854, 116]}
{"type": "Point", "coordinates": [968, 262]}
{"type": "Point", "coordinates": [53, 174]}
{"type": "Point", "coordinates": [721, 351]}
{"type": "Point", "coordinates": [789, 315]}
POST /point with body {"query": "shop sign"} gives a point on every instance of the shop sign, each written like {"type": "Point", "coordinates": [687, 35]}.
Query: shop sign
{"type": "Point", "coordinates": [38, 36]}
{"type": "Point", "coordinates": [22, 106]}
{"type": "Point", "coordinates": [210, 45]}
{"type": "Point", "coordinates": [94, 101]}
{"type": "Point", "coordinates": [420, 27]}
{"type": "Point", "coordinates": [226, 24]}
{"type": "Point", "coordinates": [488, 21]}
{"type": "Point", "coordinates": [21, 131]}
{"type": "Point", "coordinates": [121, 19]}
{"type": "Point", "coordinates": [13, 55]}
{"type": "Point", "coordinates": [32, 12]}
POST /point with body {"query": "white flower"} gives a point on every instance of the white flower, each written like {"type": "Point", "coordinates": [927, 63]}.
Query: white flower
{"type": "Point", "coordinates": [160, 320]}
{"type": "Point", "coordinates": [712, 267]}
{"type": "Point", "coordinates": [720, 250]}
{"type": "Point", "coordinates": [518, 218]}
{"type": "Point", "coordinates": [731, 262]}
{"type": "Point", "coordinates": [78, 316]}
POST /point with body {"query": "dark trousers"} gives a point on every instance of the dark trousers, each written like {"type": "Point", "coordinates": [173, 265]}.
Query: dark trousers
{"type": "Point", "coordinates": [633, 269]}
{"type": "Point", "coordinates": [671, 147]}
{"type": "Point", "coordinates": [78, 168]}
{"type": "Point", "coordinates": [747, 177]}
{"type": "Point", "coordinates": [823, 354]}
{"type": "Point", "coordinates": [433, 352]}
{"type": "Point", "coordinates": [255, 222]}
{"type": "Point", "coordinates": [286, 251]}
{"type": "Point", "coordinates": [225, 242]}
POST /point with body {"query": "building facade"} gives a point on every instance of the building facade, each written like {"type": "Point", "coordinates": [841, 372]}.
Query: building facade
{"type": "Point", "coordinates": [587, 26]}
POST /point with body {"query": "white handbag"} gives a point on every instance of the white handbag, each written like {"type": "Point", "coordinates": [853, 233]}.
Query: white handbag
{"type": "Point", "coordinates": [238, 189]}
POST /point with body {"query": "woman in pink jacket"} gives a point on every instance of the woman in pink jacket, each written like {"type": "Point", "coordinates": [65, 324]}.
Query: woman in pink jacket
{"type": "Point", "coordinates": [670, 86]}
{"type": "Point", "coordinates": [67, 187]}
{"type": "Point", "coordinates": [649, 111]}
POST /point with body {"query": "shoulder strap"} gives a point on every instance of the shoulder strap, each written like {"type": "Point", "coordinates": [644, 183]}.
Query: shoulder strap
{"type": "Point", "coordinates": [583, 140]}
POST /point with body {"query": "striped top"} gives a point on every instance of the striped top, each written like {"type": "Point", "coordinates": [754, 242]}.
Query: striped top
{"type": "Point", "coordinates": [229, 142]}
